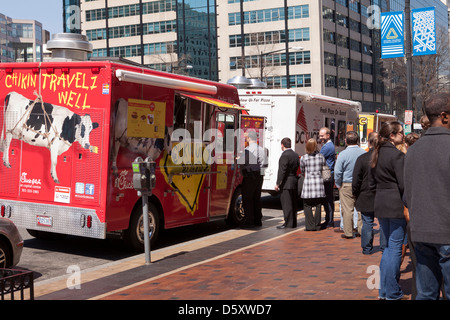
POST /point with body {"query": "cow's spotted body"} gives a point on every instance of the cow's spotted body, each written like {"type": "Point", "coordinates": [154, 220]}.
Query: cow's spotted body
{"type": "Point", "coordinates": [44, 125]}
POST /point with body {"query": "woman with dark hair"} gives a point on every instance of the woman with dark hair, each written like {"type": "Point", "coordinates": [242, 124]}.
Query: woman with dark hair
{"type": "Point", "coordinates": [386, 178]}
{"type": "Point", "coordinates": [313, 192]}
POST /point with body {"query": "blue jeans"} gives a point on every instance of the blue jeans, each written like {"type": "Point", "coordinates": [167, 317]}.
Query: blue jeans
{"type": "Point", "coordinates": [367, 232]}
{"type": "Point", "coordinates": [394, 230]}
{"type": "Point", "coordinates": [432, 266]}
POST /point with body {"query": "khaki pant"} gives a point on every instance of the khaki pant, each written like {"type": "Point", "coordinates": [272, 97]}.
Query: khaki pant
{"type": "Point", "coordinates": [348, 206]}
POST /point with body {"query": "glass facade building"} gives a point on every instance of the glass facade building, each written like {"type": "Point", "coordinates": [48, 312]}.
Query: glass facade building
{"type": "Point", "coordinates": [197, 37]}
{"type": "Point", "coordinates": [170, 35]}
{"type": "Point", "coordinates": [21, 40]}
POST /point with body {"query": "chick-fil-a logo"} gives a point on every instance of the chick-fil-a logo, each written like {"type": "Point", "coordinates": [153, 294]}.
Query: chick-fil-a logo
{"type": "Point", "coordinates": [25, 180]}
{"type": "Point", "coordinates": [121, 181]}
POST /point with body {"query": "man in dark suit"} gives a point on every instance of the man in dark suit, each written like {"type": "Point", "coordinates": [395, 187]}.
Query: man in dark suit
{"type": "Point", "coordinates": [287, 182]}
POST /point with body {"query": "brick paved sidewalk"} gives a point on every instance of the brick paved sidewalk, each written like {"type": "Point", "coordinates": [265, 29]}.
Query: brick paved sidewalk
{"type": "Point", "coordinates": [297, 265]}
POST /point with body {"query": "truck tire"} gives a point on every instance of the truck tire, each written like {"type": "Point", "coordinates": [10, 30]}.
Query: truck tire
{"type": "Point", "coordinates": [134, 235]}
{"type": "Point", "coordinates": [236, 213]}
{"type": "Point", "coordinates": [5, 255]}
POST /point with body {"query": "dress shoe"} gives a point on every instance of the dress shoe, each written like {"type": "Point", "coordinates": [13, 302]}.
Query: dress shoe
{"type": "Point", "coordinates": [345, 237]}
{"type": "Point", "coordinates": [281, 227]}
{"type": "Point", "coordinates": [339, 230]}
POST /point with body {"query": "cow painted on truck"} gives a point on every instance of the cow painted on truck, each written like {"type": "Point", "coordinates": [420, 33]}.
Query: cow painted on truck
{"type": "Point", "coordinates": [45, 125]}
{"type": "Point", "coordinates": [96, 118]}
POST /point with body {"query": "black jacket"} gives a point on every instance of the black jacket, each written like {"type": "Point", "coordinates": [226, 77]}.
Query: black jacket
{"type": "Point", "coordinates": [365, 197]}
{"type": "Point", "coordinates": [287, 170]}
{"type": "Point", "coordinates": [427, 187]}
{"type": "Point", "coordinates": [387, 181]}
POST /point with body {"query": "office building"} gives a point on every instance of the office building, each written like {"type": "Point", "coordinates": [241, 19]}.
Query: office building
{"type": "Point", "coordinates": [430, 73]}
{"type": "Point", "coordinates": [21, 40]}
{"type": "Point", "coordinates": [340, 55]}
{"type": "Point", "coordinates": [168, 35]}
{"type": "Point", "coordinates": [328, 45]}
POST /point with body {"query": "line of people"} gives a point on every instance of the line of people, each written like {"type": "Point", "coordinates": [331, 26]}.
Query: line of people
{"type": "Point", "coordinates": [403, 182]}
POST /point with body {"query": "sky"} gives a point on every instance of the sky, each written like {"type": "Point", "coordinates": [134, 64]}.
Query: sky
{"type": "Point", "coordinates": [47, 12]}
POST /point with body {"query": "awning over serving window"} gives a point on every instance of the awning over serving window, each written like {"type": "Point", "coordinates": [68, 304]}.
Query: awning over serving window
{"type": "Point", "coordinates": [214, 102]}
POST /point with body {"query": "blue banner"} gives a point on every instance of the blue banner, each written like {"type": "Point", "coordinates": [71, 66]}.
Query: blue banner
{"type": "Point", "coordinates": [392, 35]}
{"type": "Point", "coordinates": [423, 31]}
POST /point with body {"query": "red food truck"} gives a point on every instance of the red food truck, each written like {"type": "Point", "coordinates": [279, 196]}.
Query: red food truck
{"type": "Point", "coordinates": [71, 130]}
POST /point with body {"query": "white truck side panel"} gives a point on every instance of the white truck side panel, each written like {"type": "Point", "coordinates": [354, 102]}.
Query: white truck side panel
{"type": "Point", "coordinates": [276, 108]}
{"type": "Point", "coordinates": [293, 114]}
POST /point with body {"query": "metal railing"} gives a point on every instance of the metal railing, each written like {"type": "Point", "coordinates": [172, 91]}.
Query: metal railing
{"type": "Point", "coordinates": [14, 281]}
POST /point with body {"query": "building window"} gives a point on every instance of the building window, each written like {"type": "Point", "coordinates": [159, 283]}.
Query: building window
{"type": "Point", "coordinates": [343, 62]}
{"type": "Point", "coordinates": [367, 68]}
{"type": "Point", "coordinates": [355, 65]}
{"type": "Point", "coordinates": [330, 81]}
{"type": "Point", "coordinates": [273, 60]}
{"type": "Point", "coordinates": [343, 2]}
{"type": "Point", "coordinates": [355, 45]}
{"type": "Point", "coordinates": [22, 30]}
{"type": "Point", "coordinates": [354, 6]}
{"type": "Point", "coordinates": [341, 20]}
{"type": "Point", "coordinates": [131, 10]}
{"type": "Point", "coordinates": [329, 36]}
{"type": "Point", "coordinates": [301, 34]}
{"type": "Point", "coordinates": [342, 41]}
{"type": "Point", "coordinates": [268, 15]}
{"type": "Point", "coordinates": [330, 59]}
{"type": "Point", "coordinates": [132, 30]}
{"type": "Point", "coordinates": [367, 49]}
{"type": "Point", "coordinates": [368, 87]}
{"type": "Point", "coordinates": [269, 37]}
{"type": "Point", "coordinates": [296, 81]}
{"type": "Point", "coordinates": [344, 83]}
{"type": "Point", "coordinates": [328, 14]}
{"type": "Point", "coordinates": [356, 85]}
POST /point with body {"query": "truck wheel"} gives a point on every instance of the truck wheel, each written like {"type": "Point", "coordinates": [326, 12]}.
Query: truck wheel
{"type": "Point", "coordinates": [5, 255]}
{"type": "Point", "coordinates": [134, 235]}
{"type": "Point", "coordinates": [236, 214]}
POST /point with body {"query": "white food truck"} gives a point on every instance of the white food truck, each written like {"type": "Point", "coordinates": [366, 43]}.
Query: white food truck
{"type": "Point", "coordinates": [299, 116]}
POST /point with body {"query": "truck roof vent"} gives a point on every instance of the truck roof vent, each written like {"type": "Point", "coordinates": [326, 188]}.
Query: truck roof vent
{"type": "Point", "coordinates": [69, 47]}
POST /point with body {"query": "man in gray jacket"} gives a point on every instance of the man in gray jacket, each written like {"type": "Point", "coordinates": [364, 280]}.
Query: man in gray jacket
{"type": "Point", "coordinates": [427, 196]}
{"type": "Point", "coordinates": [253, 172]}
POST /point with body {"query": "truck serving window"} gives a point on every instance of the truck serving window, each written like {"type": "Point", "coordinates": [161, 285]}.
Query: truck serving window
{"type": "Point", "coordinates": [342, 128]}
{"type": "Point", "coordinates": [179, 113]}
{"type": "Point", "coordinates": [194, 115]}
{"type": "Point", "coordinates": [330, 123]}
{"type": "Point", "coordinates": [225, 126]}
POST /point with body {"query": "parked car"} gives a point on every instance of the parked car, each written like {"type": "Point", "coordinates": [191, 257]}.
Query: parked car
{"type": "Point", "coordinates": [11, 244]}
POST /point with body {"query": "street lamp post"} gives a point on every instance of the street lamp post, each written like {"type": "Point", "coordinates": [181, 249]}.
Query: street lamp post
{"type": "Point", "coordinates": [408, 53]}
{"type": "Point", "coordinates": [264, 54]}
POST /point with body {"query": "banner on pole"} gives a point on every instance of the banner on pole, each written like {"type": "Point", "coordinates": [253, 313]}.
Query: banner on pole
{"type": "Point", "coordinates": [392, 35]}
{"type": "Point", "coordinates": [424, 31]}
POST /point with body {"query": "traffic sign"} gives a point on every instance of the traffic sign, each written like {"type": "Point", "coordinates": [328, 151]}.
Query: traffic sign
{"type": "Point", "coordinates": [408, 117]}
